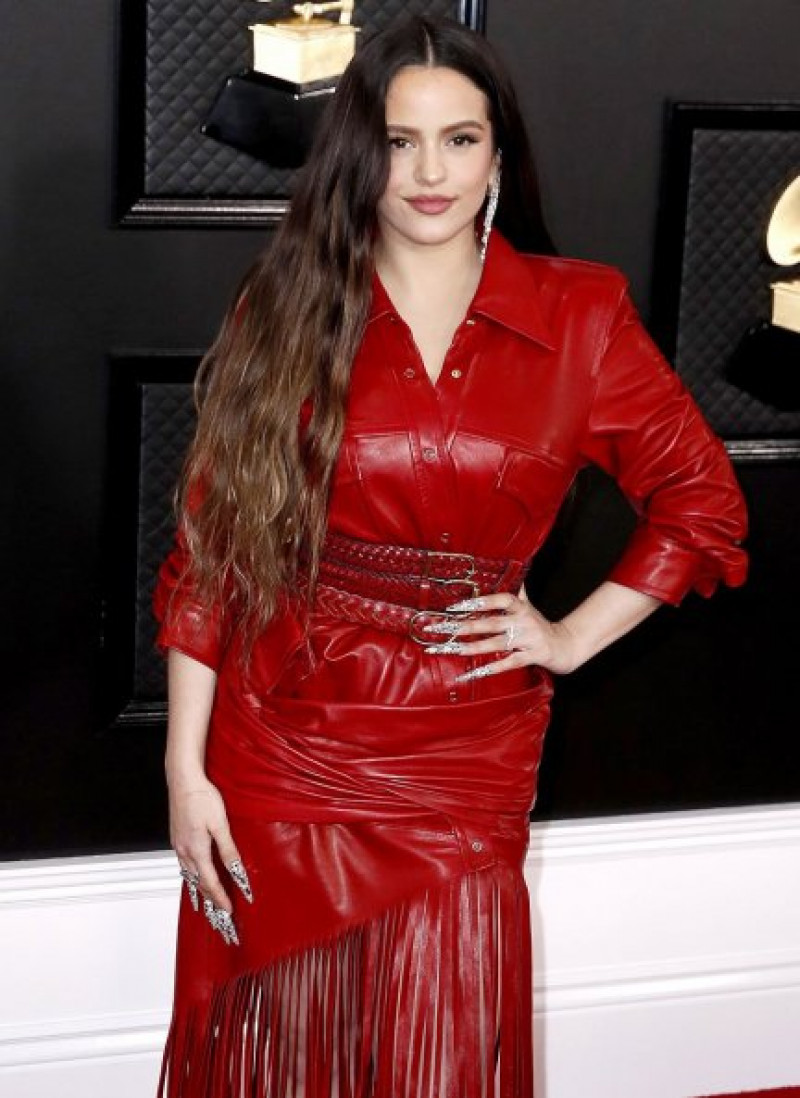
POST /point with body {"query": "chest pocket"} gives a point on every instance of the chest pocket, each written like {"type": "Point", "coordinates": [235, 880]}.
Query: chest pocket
{"type": "Point", "coordinates": [529, 490]}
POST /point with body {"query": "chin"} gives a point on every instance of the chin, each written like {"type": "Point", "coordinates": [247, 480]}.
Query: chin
{"type": "Point", "coordinates": [440, 234]}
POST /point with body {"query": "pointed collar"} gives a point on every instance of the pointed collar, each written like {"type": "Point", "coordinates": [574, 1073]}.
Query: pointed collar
{"type": "Point", "coordinates": [508, 293]}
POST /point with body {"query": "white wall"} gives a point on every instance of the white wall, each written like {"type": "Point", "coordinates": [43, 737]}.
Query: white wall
{"type": "Point", "coordinates": [667, 956]}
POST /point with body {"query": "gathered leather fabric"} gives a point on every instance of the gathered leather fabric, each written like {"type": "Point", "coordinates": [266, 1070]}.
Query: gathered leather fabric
{"type": "Point", "coordinates": [379, 804]}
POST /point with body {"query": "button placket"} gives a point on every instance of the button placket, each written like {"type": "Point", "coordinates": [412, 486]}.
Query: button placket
{"type": "Point", "coordinates": [426, 431]}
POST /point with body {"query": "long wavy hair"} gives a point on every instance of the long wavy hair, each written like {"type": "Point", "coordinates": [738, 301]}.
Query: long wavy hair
{"type": "Point", "coordinates": [272, 389]}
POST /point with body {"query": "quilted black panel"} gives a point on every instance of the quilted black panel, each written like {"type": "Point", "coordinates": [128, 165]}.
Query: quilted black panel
{"type": "Point", "coordinates": [167, 424]}
{"type": "Point", "coordinates": [735, 178]}
{"type": "Point", "coordinates": [192, 46]}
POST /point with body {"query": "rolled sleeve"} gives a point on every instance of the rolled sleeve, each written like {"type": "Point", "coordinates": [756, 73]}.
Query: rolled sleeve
{"type": "Point", "coordinates": [185, 624]}
{"type": "Point", "coordinates": [645, 430]}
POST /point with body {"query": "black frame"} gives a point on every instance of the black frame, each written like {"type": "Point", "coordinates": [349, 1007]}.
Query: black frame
{"type": "Point", "coordinates": [683, 121]}
{"type": "Point", "coordinates": [135, 208]}
{"type": "Point", "coordinates": [124, 702]}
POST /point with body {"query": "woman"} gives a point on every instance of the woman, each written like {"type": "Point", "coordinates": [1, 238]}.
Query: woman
{"type": "Point", "coordinates": [389, 420]}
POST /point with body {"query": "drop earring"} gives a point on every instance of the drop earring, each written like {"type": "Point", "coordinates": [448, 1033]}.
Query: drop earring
{"type": "Point", "coordinates": [491, 210]}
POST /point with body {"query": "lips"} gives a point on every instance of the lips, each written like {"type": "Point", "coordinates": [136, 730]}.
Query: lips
{"type": "Point", "coordinates": [431, 204]}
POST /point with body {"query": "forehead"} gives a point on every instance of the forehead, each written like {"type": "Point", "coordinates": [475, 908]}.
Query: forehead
{"type": "Point", "coordinates": [419, 93]}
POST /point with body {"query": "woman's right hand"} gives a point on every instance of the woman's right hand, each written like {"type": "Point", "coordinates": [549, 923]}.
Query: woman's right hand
{"type": "Point", "coordinates": [198, 820]}
{"type": "Point", "coordinates": [198, 824]}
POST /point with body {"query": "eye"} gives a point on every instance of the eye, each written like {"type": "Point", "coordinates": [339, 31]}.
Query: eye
{"type": "Point", "coordinates": [462, 140]}
{"type": "Point", "coordinates": [399, 143]}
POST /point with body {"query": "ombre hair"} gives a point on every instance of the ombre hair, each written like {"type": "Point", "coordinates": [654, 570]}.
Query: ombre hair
{"type": "Point", "coordinates": [272, 389]}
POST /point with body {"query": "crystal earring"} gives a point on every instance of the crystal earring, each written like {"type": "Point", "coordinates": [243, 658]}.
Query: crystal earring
{"type": "Point", "coordinates": [491, 210]}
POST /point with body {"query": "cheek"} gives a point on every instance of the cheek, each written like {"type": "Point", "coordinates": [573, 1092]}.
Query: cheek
{"type": "Point", "coordinates": [395, 181]}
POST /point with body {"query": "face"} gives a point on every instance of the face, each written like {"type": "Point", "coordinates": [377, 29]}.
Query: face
{"type": "Point", "coordinates": [441, 158]}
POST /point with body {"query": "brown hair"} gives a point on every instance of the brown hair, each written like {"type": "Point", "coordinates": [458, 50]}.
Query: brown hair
{"type": "Point", "coordinates": [255, 486]}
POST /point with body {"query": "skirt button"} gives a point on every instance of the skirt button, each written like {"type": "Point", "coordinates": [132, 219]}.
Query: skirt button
{"type": "Point", "coordinates": [477, 845]}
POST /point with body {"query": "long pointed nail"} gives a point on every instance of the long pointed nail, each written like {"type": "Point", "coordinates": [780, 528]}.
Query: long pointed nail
{"type": "Point", "coordinates": [210, 913]}
{"type": "Point", "coordinates": [221, 921]}
{"type": "Point", "coordinates": [241, 880]}
{"type": "Point", "coordinates": [465, 606]}
{"type": "Point", "coordinates": [191, 880]}
{"type": "Point", "coordinates": [476, 673]}
{"type": "Point", "coordinates": [449, 648]}
{"type": "Point", "coordinates": [442, 626]}
{"type": "Point", "coordinates": [226, 928]}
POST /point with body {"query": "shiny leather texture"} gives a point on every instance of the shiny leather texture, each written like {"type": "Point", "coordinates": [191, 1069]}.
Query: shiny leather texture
{"type": "Point", "coordinates": [549, 371]}
{"type": "Point", "coordinates": [328, 745]}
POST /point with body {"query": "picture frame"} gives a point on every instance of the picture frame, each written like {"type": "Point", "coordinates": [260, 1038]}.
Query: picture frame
{"type": "Point", "coordinates": [174, 56]}
{"type": "Point", "coordinates": [726, 164]}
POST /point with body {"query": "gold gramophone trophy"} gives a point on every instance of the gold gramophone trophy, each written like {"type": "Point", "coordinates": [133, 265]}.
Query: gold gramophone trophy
{"type": "Point", "coordinates": [271, 109]}
{"type": "Point", "coordinates": [783, 246]}
{"type": "Point", "coordinates": [766, 363]}
{"type": "Point", "coordinates": [307, 48]}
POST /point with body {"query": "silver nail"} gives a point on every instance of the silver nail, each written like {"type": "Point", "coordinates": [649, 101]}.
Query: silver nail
{"type": "Point", "coordinates": [226, 928]}
{"type": "Point", "coordinates": [241, 880]}
{"type": "Point", "coordinates": [191, 888]}
{"type": "Point", "coordinates": [476, 673]}
{"type": "Point", "coordinates": [210, 912]}
{"type": "Point", "coordinates": [442, 627]}
{"type": "Point", "coordinates": [449, 648]}
{"type": "Point", "coordinates": [191, 880]}
{"type": "Point", "coordinates": [466, 606]}
{"type": "Point", "coordinates": [220, 920]}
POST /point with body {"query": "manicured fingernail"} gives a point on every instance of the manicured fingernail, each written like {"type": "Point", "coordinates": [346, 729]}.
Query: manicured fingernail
{"type": "Point", "coordinates": [476, 673]}
{"type": "Point", "coordinates": [221, 921]}
{"type": "Point", "coordinates": [442, 627]}
{"type": "Point", "coordinates": [449, 648]}
{"type": "Point", "coordinates": [465, 606]}
{"type": "Point", "coordinates": [239, 874]}
{"type": "Point", "coordinates": [191, 881]}
{"type": "Point", "coordinates": [226, 928]}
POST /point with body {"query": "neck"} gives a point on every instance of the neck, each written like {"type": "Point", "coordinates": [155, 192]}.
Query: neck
{"type": "Point", "coordinates": [427, 268]}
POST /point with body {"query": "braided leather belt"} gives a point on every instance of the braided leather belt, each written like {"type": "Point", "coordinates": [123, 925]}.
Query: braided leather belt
{"type": "Point", "coordinates": [402, 589]}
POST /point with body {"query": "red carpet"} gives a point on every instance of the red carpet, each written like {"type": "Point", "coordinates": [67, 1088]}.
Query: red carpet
{"type": "Point", "coordinates": [782, 1092]}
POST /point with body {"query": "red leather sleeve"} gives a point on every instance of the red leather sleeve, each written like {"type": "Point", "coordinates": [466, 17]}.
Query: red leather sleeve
{"type": "Point", "coordinates": [646, 431]}
{"type": "Point", "coordinates": [186, 624]}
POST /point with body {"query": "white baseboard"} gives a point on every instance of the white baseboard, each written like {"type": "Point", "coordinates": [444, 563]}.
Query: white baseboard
{"type": "Point", "coordinates": [667, 961]}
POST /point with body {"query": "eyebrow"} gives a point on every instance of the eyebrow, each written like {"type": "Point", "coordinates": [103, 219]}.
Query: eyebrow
{"type": "Point", "coordinates": [469, 123]}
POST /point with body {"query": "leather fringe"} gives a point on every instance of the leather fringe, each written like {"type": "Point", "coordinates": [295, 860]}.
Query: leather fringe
{"type": "Point", "coordinates": [431, 999]}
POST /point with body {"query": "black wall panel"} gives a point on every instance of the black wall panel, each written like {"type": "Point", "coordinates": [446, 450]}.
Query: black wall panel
{"type": "Point", "coordinates": [693, 709]}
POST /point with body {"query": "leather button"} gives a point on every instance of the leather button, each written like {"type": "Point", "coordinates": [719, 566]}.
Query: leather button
{"type": "Point", "coordinates": [409, 373]}
{"type": "Point", "coordinates": [476, 845]}
{"type": "Point", "coordinates": [444, 538]}
{"type": "Point", "coordinates": [429, 453]}
{"type": "Point", "coordinates": [453, 696]}
{"type": "Point", "coordinates": [455, 373]}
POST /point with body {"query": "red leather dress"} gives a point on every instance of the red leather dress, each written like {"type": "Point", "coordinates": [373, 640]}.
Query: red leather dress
{"type": "Point", "coordinates": [381, 808]}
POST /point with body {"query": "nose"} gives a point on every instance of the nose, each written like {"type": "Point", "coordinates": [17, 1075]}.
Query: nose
{"type": "Point", "coordinates": [429, 168]}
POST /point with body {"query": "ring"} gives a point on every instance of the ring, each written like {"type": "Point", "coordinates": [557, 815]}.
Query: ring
{"type": "Point", "coordinates": [510, 634]}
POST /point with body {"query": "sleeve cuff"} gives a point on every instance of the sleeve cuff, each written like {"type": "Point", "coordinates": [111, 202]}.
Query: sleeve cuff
{"type": "Point", "coordinates": [657, 566]}
{"type": "Point", "coordinates": [188, 631]}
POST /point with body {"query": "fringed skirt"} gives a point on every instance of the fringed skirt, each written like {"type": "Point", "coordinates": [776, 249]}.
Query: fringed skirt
{"type": "Point", "coordinates": [387, 951]}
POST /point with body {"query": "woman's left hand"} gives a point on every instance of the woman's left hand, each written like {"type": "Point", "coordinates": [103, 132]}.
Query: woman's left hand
{"type": "Point", "coordinates": [510, 625]}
